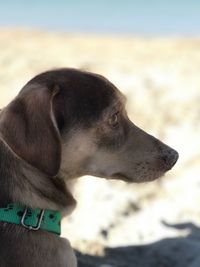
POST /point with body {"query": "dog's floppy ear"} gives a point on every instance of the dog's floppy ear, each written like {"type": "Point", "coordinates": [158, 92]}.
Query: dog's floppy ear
{"type": "Point", "coordinates": [28, 126]}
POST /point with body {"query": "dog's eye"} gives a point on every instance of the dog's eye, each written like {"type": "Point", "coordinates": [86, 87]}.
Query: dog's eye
{"type": "Point", "coordinates": [114, 119]}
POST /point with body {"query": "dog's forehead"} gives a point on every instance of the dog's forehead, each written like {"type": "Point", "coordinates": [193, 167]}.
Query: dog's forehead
{"type": "Point", "coordinates": [111, 97]}
{"type": "Point", "coordinates": [118, 102]}
{"type": "Point", "coordinates": [85, 95]}
{"type": "Point", "coordinates": [79, 83]}
{"type": "Point", "coordinates": [120, 98]}
{"type": "Point", "coordinates": [90, 92]}
{"type": "Point", "coordinates": [101, 84]}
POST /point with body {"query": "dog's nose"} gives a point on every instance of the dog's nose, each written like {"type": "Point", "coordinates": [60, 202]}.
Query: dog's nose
{"type": "Point", "coordinates": [170, 158]}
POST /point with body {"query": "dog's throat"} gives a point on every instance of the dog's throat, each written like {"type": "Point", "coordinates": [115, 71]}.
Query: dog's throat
{"type": "Point", "coordinates": [32, 219]}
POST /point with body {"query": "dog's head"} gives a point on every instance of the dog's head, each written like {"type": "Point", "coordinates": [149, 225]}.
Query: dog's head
{"type": "Point", "coordinates": [72, 123]}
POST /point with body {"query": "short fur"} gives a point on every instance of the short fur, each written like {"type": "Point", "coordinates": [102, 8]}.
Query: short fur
{"type": "Point", "coordinates": [64, 124]}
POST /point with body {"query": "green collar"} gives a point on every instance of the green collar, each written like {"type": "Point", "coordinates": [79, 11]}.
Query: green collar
{"type": "Point", "coordinates": [32, 219]}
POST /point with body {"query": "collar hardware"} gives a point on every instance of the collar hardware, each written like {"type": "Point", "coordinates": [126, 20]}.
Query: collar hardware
{"type": "Point", "coordinates": [31, 227]}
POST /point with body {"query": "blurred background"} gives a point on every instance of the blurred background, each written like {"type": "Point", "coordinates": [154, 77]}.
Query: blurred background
{"type": "Point", "coordinates": [151, 51]}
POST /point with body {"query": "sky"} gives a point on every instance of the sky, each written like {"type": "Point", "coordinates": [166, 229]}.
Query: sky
{"type": "Point", "coordinates": [135, 17]}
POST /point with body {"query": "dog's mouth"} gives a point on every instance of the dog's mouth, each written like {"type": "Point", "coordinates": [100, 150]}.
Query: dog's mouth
{"type": "Point", "coordinates": [138, 179]}
{"type": "Point", "coordinates": [120, 176]}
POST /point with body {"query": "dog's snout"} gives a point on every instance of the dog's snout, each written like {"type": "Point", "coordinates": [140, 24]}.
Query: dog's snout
{"type": "Point", "coordinates": [170, 158]}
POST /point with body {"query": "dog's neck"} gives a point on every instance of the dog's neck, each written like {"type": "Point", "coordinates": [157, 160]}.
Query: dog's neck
{"type": "Point", "coordinates": [22, 183]}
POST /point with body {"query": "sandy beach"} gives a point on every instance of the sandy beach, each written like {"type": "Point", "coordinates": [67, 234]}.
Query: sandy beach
{"type": "Point", "coordinates": [146, 225]}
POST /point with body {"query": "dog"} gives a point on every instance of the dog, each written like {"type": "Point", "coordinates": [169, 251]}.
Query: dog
{"type": "Point", "coordinates": [64, 124]}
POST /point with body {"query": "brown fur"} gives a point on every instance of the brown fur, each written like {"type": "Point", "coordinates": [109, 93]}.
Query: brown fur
{"type": "Point", "coordinates": [64, 124]}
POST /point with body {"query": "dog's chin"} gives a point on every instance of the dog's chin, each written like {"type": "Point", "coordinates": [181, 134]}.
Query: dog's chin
{"type": "Point", "coordinates": [138, 179]}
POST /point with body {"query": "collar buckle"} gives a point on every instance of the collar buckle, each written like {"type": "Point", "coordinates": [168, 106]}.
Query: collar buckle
{"type": "Point", "coordinates": [31, 227]}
